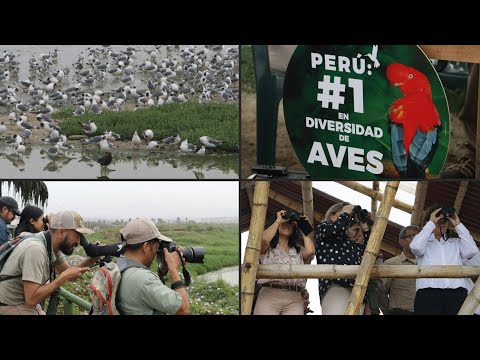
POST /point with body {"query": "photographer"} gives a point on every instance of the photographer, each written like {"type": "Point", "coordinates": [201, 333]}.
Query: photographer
{"type": "Point", "coordinates": [340, 240]}
{"type": "Point", "coordinates": [280, 246]}
{"type": "Point", "coordinates": [141, 292]}
{"type": "Point", "coordinates": [8, 211]}
{"type": "Point", "coordinates": [26, 278]}
{"type": "Point", "coordinates": [435, 245]}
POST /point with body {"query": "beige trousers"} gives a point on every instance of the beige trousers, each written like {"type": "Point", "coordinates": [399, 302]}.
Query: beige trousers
{"type": "Point", "coordinates": [21, 310]}
{"type": "Point", "coordinates": [336, 299]}
{"type": "Point", "coordinates": [273, 301]}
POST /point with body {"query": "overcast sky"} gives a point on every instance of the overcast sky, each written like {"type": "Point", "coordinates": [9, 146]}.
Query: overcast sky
{"type": "Point", "coordinates": [157, 199]}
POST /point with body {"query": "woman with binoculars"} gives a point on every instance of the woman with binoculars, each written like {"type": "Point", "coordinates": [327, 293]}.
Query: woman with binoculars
{"type": "Point", "coordinates": [340, 240]}
{"type": "Point", "coordinates": [435, 245]}
{"type": "Point", "coordinates": [280, 245]}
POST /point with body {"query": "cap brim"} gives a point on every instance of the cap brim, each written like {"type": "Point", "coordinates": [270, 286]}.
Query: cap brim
{"type": "Point", "coordinates": [84, 230]}
{"type": "Point", "coordinates": [17, 212]}
{"type": "Point", "coordinates": [164, 238]}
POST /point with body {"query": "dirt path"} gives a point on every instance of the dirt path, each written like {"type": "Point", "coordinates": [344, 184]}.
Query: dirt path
{"type": "Point", "coordinates": [284, 155]}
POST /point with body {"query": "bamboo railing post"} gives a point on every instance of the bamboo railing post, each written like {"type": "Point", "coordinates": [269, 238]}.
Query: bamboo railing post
{"type": "Point", "coordinates": [354, 185]}
{"type": "Point", "coordinates": [477, 149]}
{"type": "Point", "coordinates": [471, 302]}
{"type": "Point", "coordinates": [307, 196]}
{"type": "Point", "coordinates": [462, 191]}
{"type": "Point", "coordinates": [419, 203]}
{"type": "Point", "coordinates": [252, 251]}
{"type": "Point", "coordinates": [373, 246]}
{"type": "Point", "coordinates": [330, 271]}
{"type": "Point", "coordinates": [376, 187]}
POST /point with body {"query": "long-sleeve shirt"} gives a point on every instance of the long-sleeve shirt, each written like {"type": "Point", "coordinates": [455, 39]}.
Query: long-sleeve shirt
{"type": "Point", "coordinates": [332, 246]}
{"type": "Point", "coordinates": [397, 293]}
{"type": "Point", "coordinates": [430, 251]}
{"type": "Point", "coordinates": [4, 234]}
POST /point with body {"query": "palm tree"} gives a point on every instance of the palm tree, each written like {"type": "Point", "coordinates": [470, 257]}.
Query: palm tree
{"type": "Point", "coordinates": [29, 190]}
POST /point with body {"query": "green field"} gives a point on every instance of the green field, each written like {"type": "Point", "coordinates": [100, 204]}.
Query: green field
{"type": "Point", "coordinates": [191, 120]}
{"type": "Point", "coordinates": [248, 74]}
{"type": "Point", "coordinates": [221, 250]}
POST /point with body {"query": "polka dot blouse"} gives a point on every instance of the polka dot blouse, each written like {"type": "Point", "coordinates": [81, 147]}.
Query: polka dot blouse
{"type": "Point", "coordinates": [332, 246]}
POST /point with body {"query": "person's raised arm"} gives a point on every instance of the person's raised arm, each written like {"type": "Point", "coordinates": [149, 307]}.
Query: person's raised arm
{"type": "Point", "coordinates": [308, 251]}
{"type": "Point", "coordinates": [467, 245]}
{"type": "Point", "coordinates": [419, 242]}
{"type": "Point", "coordinates": [270, 232]}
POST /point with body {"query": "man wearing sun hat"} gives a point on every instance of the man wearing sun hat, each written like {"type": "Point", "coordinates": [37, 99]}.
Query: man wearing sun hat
{"type": "Point", "coordinates": [141, 292]}
{"type": "Point", "coordinates": [8, 211]}
{"type": "Point", "coordinates": [26, 278]}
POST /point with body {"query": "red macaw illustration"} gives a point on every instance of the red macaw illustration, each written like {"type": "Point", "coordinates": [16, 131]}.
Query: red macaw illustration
{"type": "Point", "coordinates": [414, 121]}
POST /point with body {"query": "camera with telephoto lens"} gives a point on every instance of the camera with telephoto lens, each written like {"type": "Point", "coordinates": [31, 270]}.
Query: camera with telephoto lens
{"type": "Point", "coordinates": [299, 219]}
{"type": "Point", "coordinates": [362, 215]}
{"type": "Point", "coordinates": [192, 254]}
{"type": "Point", "coordinates": [446, 211]}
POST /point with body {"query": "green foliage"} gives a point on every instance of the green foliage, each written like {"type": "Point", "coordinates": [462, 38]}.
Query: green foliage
{"type": "Point", "coordinates": [214, 298]}
{"type": "Point", "coordinates": [248, 73]}
{"type": "Point", "coordinates": [191, 120]}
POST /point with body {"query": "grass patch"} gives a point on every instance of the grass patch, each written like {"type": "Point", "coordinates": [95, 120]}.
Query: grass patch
{"type": "Point", "coordinates": [248, 73]}
{"type": "Point", "coordinates": [214, 298]}
{"type": "Point", "coordinates": [191, 120]}
{"type": "Point", "coordinates": [221, 250]}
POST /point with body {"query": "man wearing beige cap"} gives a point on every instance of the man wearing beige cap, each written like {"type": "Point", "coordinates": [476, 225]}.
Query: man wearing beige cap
{"type": "Point", "coordinates": [24, 279]}
{"type": "Point", "coordinates": [141, 292]}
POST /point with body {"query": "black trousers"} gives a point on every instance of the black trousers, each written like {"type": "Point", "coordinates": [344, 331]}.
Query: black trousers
{"type": "Point", "coordinates": [431, 301]}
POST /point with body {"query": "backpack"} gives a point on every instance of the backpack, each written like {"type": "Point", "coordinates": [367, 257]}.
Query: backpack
{"type": "Point", "coordinates": [104, 287]}
{"type": "Point", "coordinates": [7, 249]}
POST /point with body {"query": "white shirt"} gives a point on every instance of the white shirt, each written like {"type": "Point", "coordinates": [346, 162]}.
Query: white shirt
{"type": "Point", "coordinates": [430, 251]}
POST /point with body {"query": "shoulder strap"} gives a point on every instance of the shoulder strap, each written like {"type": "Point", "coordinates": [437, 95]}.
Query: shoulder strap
{"type": "Point", "coordinates": [37, 237]}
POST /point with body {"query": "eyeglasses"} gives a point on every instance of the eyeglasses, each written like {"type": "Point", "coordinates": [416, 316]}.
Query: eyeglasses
{"type": "Point", "coordinates": [408, 236]}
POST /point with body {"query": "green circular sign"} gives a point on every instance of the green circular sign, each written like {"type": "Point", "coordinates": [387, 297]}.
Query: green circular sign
{"type": "Point", "coordinates": [366, 112]}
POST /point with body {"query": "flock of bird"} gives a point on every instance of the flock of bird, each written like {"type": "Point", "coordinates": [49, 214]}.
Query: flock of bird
{"type": "Point", "coordinates": [170, 74]}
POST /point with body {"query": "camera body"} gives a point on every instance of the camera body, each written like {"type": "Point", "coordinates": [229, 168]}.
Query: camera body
{"type": "Point", "coordinates": [362, 215]}
{"type": "Point", "coordinates": [192, 254]}
{"type": "Point", "coordinates": [446, 211]}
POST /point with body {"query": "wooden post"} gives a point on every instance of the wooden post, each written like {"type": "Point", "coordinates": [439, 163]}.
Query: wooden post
{"type": "Point", "coordinates": [376, 195]}
{"type": "Point", "coordinates": [376, 187]}
{"type": "Point", "coordinates": [419, 203]}
{"type": "Point", "coordinates": [373, 246]}
{"type": "Point", "coordinates": [462, 191]}
{"type": "Point", "coordinates": [307, 196]}
{"type": "Point", "coordinates": [471, 302]}
{"type": "Point", "coordinates": [331, 271]}
{"type": "Point", "coordinates": [252, 252]}
{"type": "Point", "coordinates": [477, 149]}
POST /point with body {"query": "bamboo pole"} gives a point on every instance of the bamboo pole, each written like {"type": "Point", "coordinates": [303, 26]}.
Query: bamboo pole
{"type": "Point", "coordinates": [252, 252]}
{"type": "Point", "coordinates": [465, 53]}
{"type": "Point", "coordinates": [293, 204]}
{"type": "Point", "coordinates": [376, 195]}
{"type": "Point", "coordinates": [331, 271]}
{"type": "Point", "coordinates": [373, 246]}
{"type": "Point", "coordinates": [462, 191]}
{"type": "Point", "coordinates": [419, 203]}
{"type": "Point", "coordinates": [307, 196]}
{"type": "Point", "coordinates": [374, 206]}
{"type": "Point", "coordinates": [471, 302]}
{"type": "Point", "coordinates": [477, 149]}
